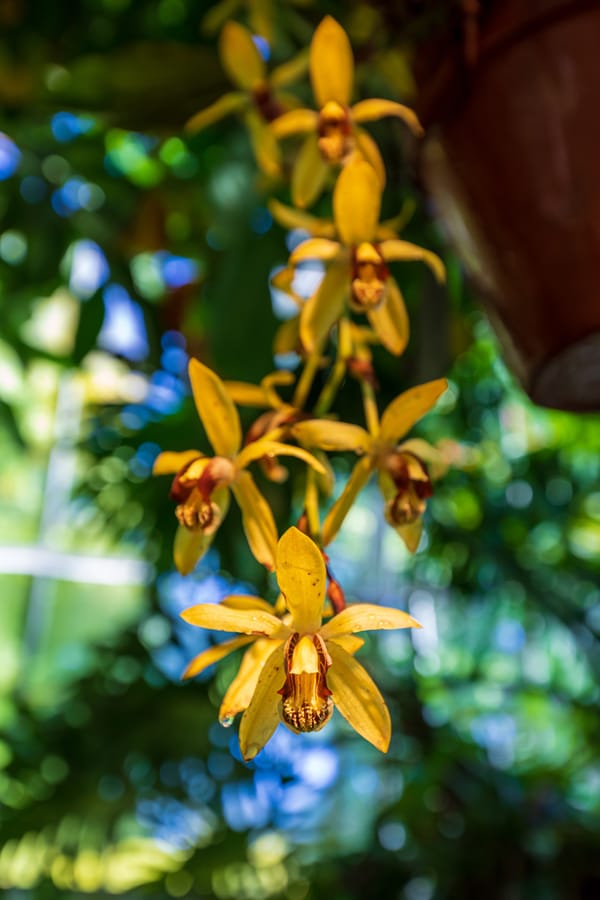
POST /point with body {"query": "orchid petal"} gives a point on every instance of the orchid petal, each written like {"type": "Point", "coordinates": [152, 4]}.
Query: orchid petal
{"type": "Point", "coordinates": [328, 435]}
{"type": "Point", "coordinates": [283, 278]}
{"type": "Point", "coordinates": [281, 378]}
{"type": "Point", "coordinates": [262, 715]}
{"type": "Point", "coordinates": [288, 217]}
{"type": "Point", "coordinates": [244, 394]}
{"type": "Point", "coordinates": [301, 576]}
{"type": "Point", "coordinates": [265, 447]}
{"type": "Point", "coordinates": [325, 482]}
{"type": "Point", "coordinates": [247, 601]}
{"type": "Point", "coordinates": [390, 319]}
{"type": "Point", "coordinates": [196, 468]}
{"type": "Point", "coordinates": [223, 618]}
{"type": "Point", "coordinates": [362, 334]}
{"type": "Point", "coordinates": [369, 149]}
{"type": "Point", "coordinates": [240, 57]}
{"type": "Point", "coordinates": [410, 534]}
{"type": "Point", "coordinates": [373, 108]}
{"type": "Point", "coordinates": [315, 248]}
{"type": "Point", "coordinates": [169, 463]}
{"type": "Point", "coordinates": [296, 121]}
{"type": "Point", "coordinates": [389, 228]}
{"type": "Point", "coordinates": [351, 643]}
{"type": "Point", "coordinates": [290, 71]}
{"type": "Point", "coordinates": [239, 693]}
{"type": "Point", "coordinates": [214, 654]}
{"type": "Point", "coordinates": [437, 464]}
{"type": "Point", "coordinates": [331, 64]}
{"type": "Point", "coordinates": [403, 251]}
{"type": "Point", "coordinates": [336, 515]}
{"type": "Point", "coordinates": [189, 547]}
{"type": "Point", "coordinates": [358, 698]}
{"type": "Point", "coordinates": [286, 100]}
{"type": "Point", "coordinates": [408, 408]}
{"type": "Point", "coordinates": [387, 485]}
{"type": "Point", "coordinates": [264, 144]}
{"type": "Point", "coordinates": [367, 617]}
{"type": "Point", "coordinates": [287, 336]}
{"type": "Point", "coordinates": [356, 202]}
{"type": "Point", "coordinates": [216, 410]}
{"type": "Point", "coordinates": [257, 519]}
{"type": "Point", "coordinates": [230, 103]}
{"type": "Point", "coordinates": [309, 173]}
{"type": "Point", "coordinates": [321, 311]}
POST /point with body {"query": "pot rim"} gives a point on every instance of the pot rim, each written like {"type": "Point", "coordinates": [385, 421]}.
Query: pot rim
{"type": "Point", "coordinates": [444, 76]}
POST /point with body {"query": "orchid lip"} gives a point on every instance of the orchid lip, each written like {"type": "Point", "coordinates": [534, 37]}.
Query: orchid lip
{"type": "Point", "coordinates": [306, 703]}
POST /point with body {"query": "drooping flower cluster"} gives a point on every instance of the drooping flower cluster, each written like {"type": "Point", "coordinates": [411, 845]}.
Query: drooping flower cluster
{"type": "Point", "coordinates": [296, 666]}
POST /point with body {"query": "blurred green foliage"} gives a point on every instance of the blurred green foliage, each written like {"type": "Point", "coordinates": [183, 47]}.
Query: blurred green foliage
{"type": "Point", "coordinates": [118, 237]}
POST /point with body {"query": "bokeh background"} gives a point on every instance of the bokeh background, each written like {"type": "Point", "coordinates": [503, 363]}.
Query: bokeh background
{"type": "Point", "coordinates": [125, 247]}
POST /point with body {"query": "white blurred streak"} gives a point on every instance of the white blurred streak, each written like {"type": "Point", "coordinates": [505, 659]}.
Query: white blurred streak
{"type": "Point", "coordinates": [41, 562]}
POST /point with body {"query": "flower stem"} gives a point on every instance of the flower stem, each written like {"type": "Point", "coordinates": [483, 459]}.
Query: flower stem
{"type": "Point", "coordinates": [329, 392]}
{"type": "Point", "coordinates": [306, 379]}
{"type": "Point", "coordinates": [311, 505]}
{"type": "Point", "coordinates": [370, 407]}
{"type": "Point", "coordinates": [336, 376]}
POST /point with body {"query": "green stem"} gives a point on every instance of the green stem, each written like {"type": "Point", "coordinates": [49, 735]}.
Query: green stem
{"type": "Point", "coordinates": [329, 392]}
{"type": "Point", "coordinates": [311, 505]}
{"type": "Point", "coordinates": [336, 376]}
{"type": "Point", "coordinates": [306, 379]}
{"type": "Point", "coordinates": [370, 406]}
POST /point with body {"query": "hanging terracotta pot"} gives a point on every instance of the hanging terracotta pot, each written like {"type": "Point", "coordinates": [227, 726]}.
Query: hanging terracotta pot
{"type": "Point", "coordinates": [512, 160]}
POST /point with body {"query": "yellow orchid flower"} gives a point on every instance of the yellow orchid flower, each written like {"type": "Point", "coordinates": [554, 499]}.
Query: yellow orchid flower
{"type": "Point", "coordinates": [259, 98]}
{"type": "Point", "coordinates": [264, 394]}
{"type": "Point", "coordinates": [357, 271]}
{"type": "Point", "coordinates": [333, 132]}
{"type": "Point", "coordinates": [405, 470]}
{"type": "Point", "coordinates": [287, 337]}
{"type": "Point", "coordinates": [298, 668]}
{"type": "Point", "coordinates": [202, 484]}
{"type": "Point", "coordinates": [275, 423]}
